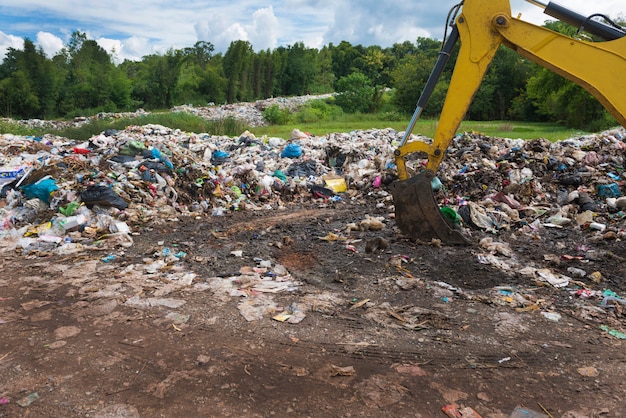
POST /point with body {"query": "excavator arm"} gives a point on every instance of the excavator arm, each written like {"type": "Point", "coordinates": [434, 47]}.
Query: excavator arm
{"type": "Point", "coordinates": [482, 26]}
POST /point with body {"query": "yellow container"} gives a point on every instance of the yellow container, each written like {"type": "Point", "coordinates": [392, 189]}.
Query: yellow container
{"type": "Point", "coordinates": [335, 183]}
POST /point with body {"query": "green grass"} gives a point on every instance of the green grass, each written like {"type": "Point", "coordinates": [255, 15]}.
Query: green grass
{"type": "Point", "coordinates": [16, 129]}
{"type": "Point", "coordinates": [184, 121]}
{"type": "Point", "coordinates": [427, 127]}
{"type": "Point", "coordinates": [188, 122]}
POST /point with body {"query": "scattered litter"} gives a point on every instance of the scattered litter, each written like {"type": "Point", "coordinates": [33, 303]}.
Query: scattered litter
{"type": "Point", "coordinates": [576, 272]}
{"type": "Point", "coordinates": [342, 371]}
{"type": "Point", "coordinates": [28, 400]}
{"type": "Point", "coordinates": [358, 304]}
{"type": "Point", "coordinates": [138, 302]}
{"type": "Point", "coordinates": [257, 308]}
{"type": "Point", "coordinates": [596, 277]}
{"type": "Point", "coordinates": [293, 314]}
{"type": "Point", "coordinates": [496, 247]}
{"type": "Point", "coordinates": [66, 332]}
{"type": "Point", "coordinates": [376, 244]}
{"type": "Point", "coordinates": [453, 411]}
{"type": "Point", "coordinates": [118, 411]}
{"type": "Point", "coordinates": [555, 279]}
{"type": "Point", "coordinates": [551, 316]}
{"type": "Point", "coordinates": [613, 332]}
{"type": "Point", "coordinates": [588, 371]}
{"type": "Point", "coordinates": [523, 412]}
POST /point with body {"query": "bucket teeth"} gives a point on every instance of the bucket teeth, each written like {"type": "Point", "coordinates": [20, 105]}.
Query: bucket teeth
{"type": "Point", "coordinates": [417, 213]}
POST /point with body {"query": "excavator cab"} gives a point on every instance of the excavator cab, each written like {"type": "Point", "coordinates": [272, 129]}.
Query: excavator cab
{"type": "Point", "coordinates": [482, 26]}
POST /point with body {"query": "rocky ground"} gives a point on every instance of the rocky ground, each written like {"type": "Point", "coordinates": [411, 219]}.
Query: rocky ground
{"type": "Point", "coordinates": [288, 300]}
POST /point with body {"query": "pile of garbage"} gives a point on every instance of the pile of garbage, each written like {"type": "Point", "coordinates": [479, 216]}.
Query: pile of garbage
{"type": "Point", "coordinates": [249, 112]}
{"type": "Point", "coordinates": [505, 183]}
{"type": "Point", "coordinates": [77, 122]}
{"type": "Point", "coordinates": [61, 195]}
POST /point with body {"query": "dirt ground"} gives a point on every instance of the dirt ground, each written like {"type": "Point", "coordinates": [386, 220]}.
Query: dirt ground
{"type": "Point", "coordinates": [382, 325]}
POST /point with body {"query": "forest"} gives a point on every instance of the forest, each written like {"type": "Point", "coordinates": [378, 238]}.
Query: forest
{"type": "Point", "coordinates": [83, 79]}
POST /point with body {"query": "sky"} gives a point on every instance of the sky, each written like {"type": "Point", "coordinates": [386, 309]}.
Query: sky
{"type": "Point", "coordinates": [132, 29]}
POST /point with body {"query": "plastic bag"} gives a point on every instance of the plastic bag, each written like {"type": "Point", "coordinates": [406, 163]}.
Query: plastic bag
{"type": "Point", "coordinates": [70, 208]}
{"type": "Point", "coordinates": [133, 148]}
{"type": "Point", "coordinates": [156, 153]}
{"type": "Point", "coordinates": [103, 196]}
{"type": "Point", "coordinates": [292, 150]}
{"type": "Point", "coordinates": [41, 189]}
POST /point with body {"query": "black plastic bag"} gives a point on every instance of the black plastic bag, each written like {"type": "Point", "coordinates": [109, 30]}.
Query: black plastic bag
{"type": "Point", "coordinates": [102, 196]}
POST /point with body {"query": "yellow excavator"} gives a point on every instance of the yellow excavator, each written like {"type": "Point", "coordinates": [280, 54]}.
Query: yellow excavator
{"type": "Point", "coordinates": [482, 26]}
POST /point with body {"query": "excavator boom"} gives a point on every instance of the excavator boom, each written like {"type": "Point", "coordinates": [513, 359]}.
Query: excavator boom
{"type": "Point", "coordinates": [482, 27]}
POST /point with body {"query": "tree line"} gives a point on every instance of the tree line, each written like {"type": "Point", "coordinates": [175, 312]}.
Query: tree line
{"type": "Point", "coordinates": [83, 79]}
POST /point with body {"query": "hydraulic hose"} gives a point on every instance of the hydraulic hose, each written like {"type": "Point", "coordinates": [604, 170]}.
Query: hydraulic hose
{"type": "Point", "coordinates": [594, 27]}
{"type": "Point", "coordinates": [442, 60]}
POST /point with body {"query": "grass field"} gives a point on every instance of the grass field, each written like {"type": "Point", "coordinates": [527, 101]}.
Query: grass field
{"type": "Point", "coordinates": [192, 123]}
{"type": "Point", "coordinates": [505, 129]}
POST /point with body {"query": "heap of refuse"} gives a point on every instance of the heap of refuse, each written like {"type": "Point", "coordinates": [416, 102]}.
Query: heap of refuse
{"type": "Point", "coordinates": [77, 122]}
{"type": "Point", "coordinates": [249, 112]}
{"type": "Point", "coordinates": [64, 196]}
{"type": "Point", "coordinates": [504, 183]}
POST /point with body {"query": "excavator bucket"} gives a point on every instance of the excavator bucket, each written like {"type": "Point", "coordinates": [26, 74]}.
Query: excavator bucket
{"type": "Point", "coordinates": [417, 212]}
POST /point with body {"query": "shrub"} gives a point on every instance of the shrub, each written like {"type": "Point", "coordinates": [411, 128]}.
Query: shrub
{"type": "Point", "coordinates": [274, 115]}
{"type": "Point", "coordinates": [355, 93]}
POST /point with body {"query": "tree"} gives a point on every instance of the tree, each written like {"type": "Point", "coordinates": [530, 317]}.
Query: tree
{"type": "Point", "coordinates": [17, 97]}
{"type": "Point", "coordinates": [265, 74]}
{"type": "Point", "coordinates": [504, 80]}
{"type": "Point", "coordinates": [344, 55]}
{"type": "Point", "coordinates": [300, 70]}
{"type": "Point", "coordinates": [279, 62]}
{"type": "Point", "coordinates": [560, 100]}
{"type": "Point", "coordinates": [155, 78]}
{"type": "Point", "coordinates": [238, 62]}
{"type": "Point", "coordinates": [30, 81]}
{"type": "Point", "coordinates": [400, 51]}
{"type": "Point", "coordinates": [93, 81]}
{"type": "Point", "coordinates": [200, 53]}
{"type": "Point", "coordinates": [411, 75]}
{"type": "Point", "coordinates": [324, 80]}
{"type": "Point", "coordinates": [355, 93]}
{"type": "Point", "coordinates": [200, 77]}
{"type": "Point", "coordinates": [376, 65]}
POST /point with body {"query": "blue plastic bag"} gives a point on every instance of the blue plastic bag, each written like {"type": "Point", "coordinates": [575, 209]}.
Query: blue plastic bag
{"type": "Point", "coordinates": [609, 190]}
{"type": "Point", "coordinates": [219, 157]}
{"type": "Point", "coordinates": [41, 189]}
{"type": "Point", "coordinates": [156, 153]}
{"type": "Point", "coordinates": [292, 150]}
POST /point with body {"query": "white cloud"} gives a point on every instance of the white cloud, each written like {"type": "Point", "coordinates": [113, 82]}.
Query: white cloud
{"type": "Point", "coordinates": [135, 47]}
{"type": "Point", "coordinates": [263, 29]}
{"type": "Point", "coordinates": [216, 30]}
{"type": "Point", "coordinates": [142, 27]}
{"type": "Point", "coordinates": [372, 22]}
{"type": "Point", "coordinates": [10, 41]}
{"type": "Point", "coordinates": [51, 44]}
{"type": "Point", "coordinates": [112, 46]}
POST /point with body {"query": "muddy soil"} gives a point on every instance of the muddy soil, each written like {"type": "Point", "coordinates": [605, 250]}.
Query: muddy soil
{"type": "Point", "coordinates": [382, 325]}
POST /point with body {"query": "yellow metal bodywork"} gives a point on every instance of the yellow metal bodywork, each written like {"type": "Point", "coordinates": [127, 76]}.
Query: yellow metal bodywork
{"type": "Point", "coordinates": [484, 25]}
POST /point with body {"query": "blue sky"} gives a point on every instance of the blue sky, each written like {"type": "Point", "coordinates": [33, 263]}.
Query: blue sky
{"type": "Point", "coordinates": [135, 28]}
